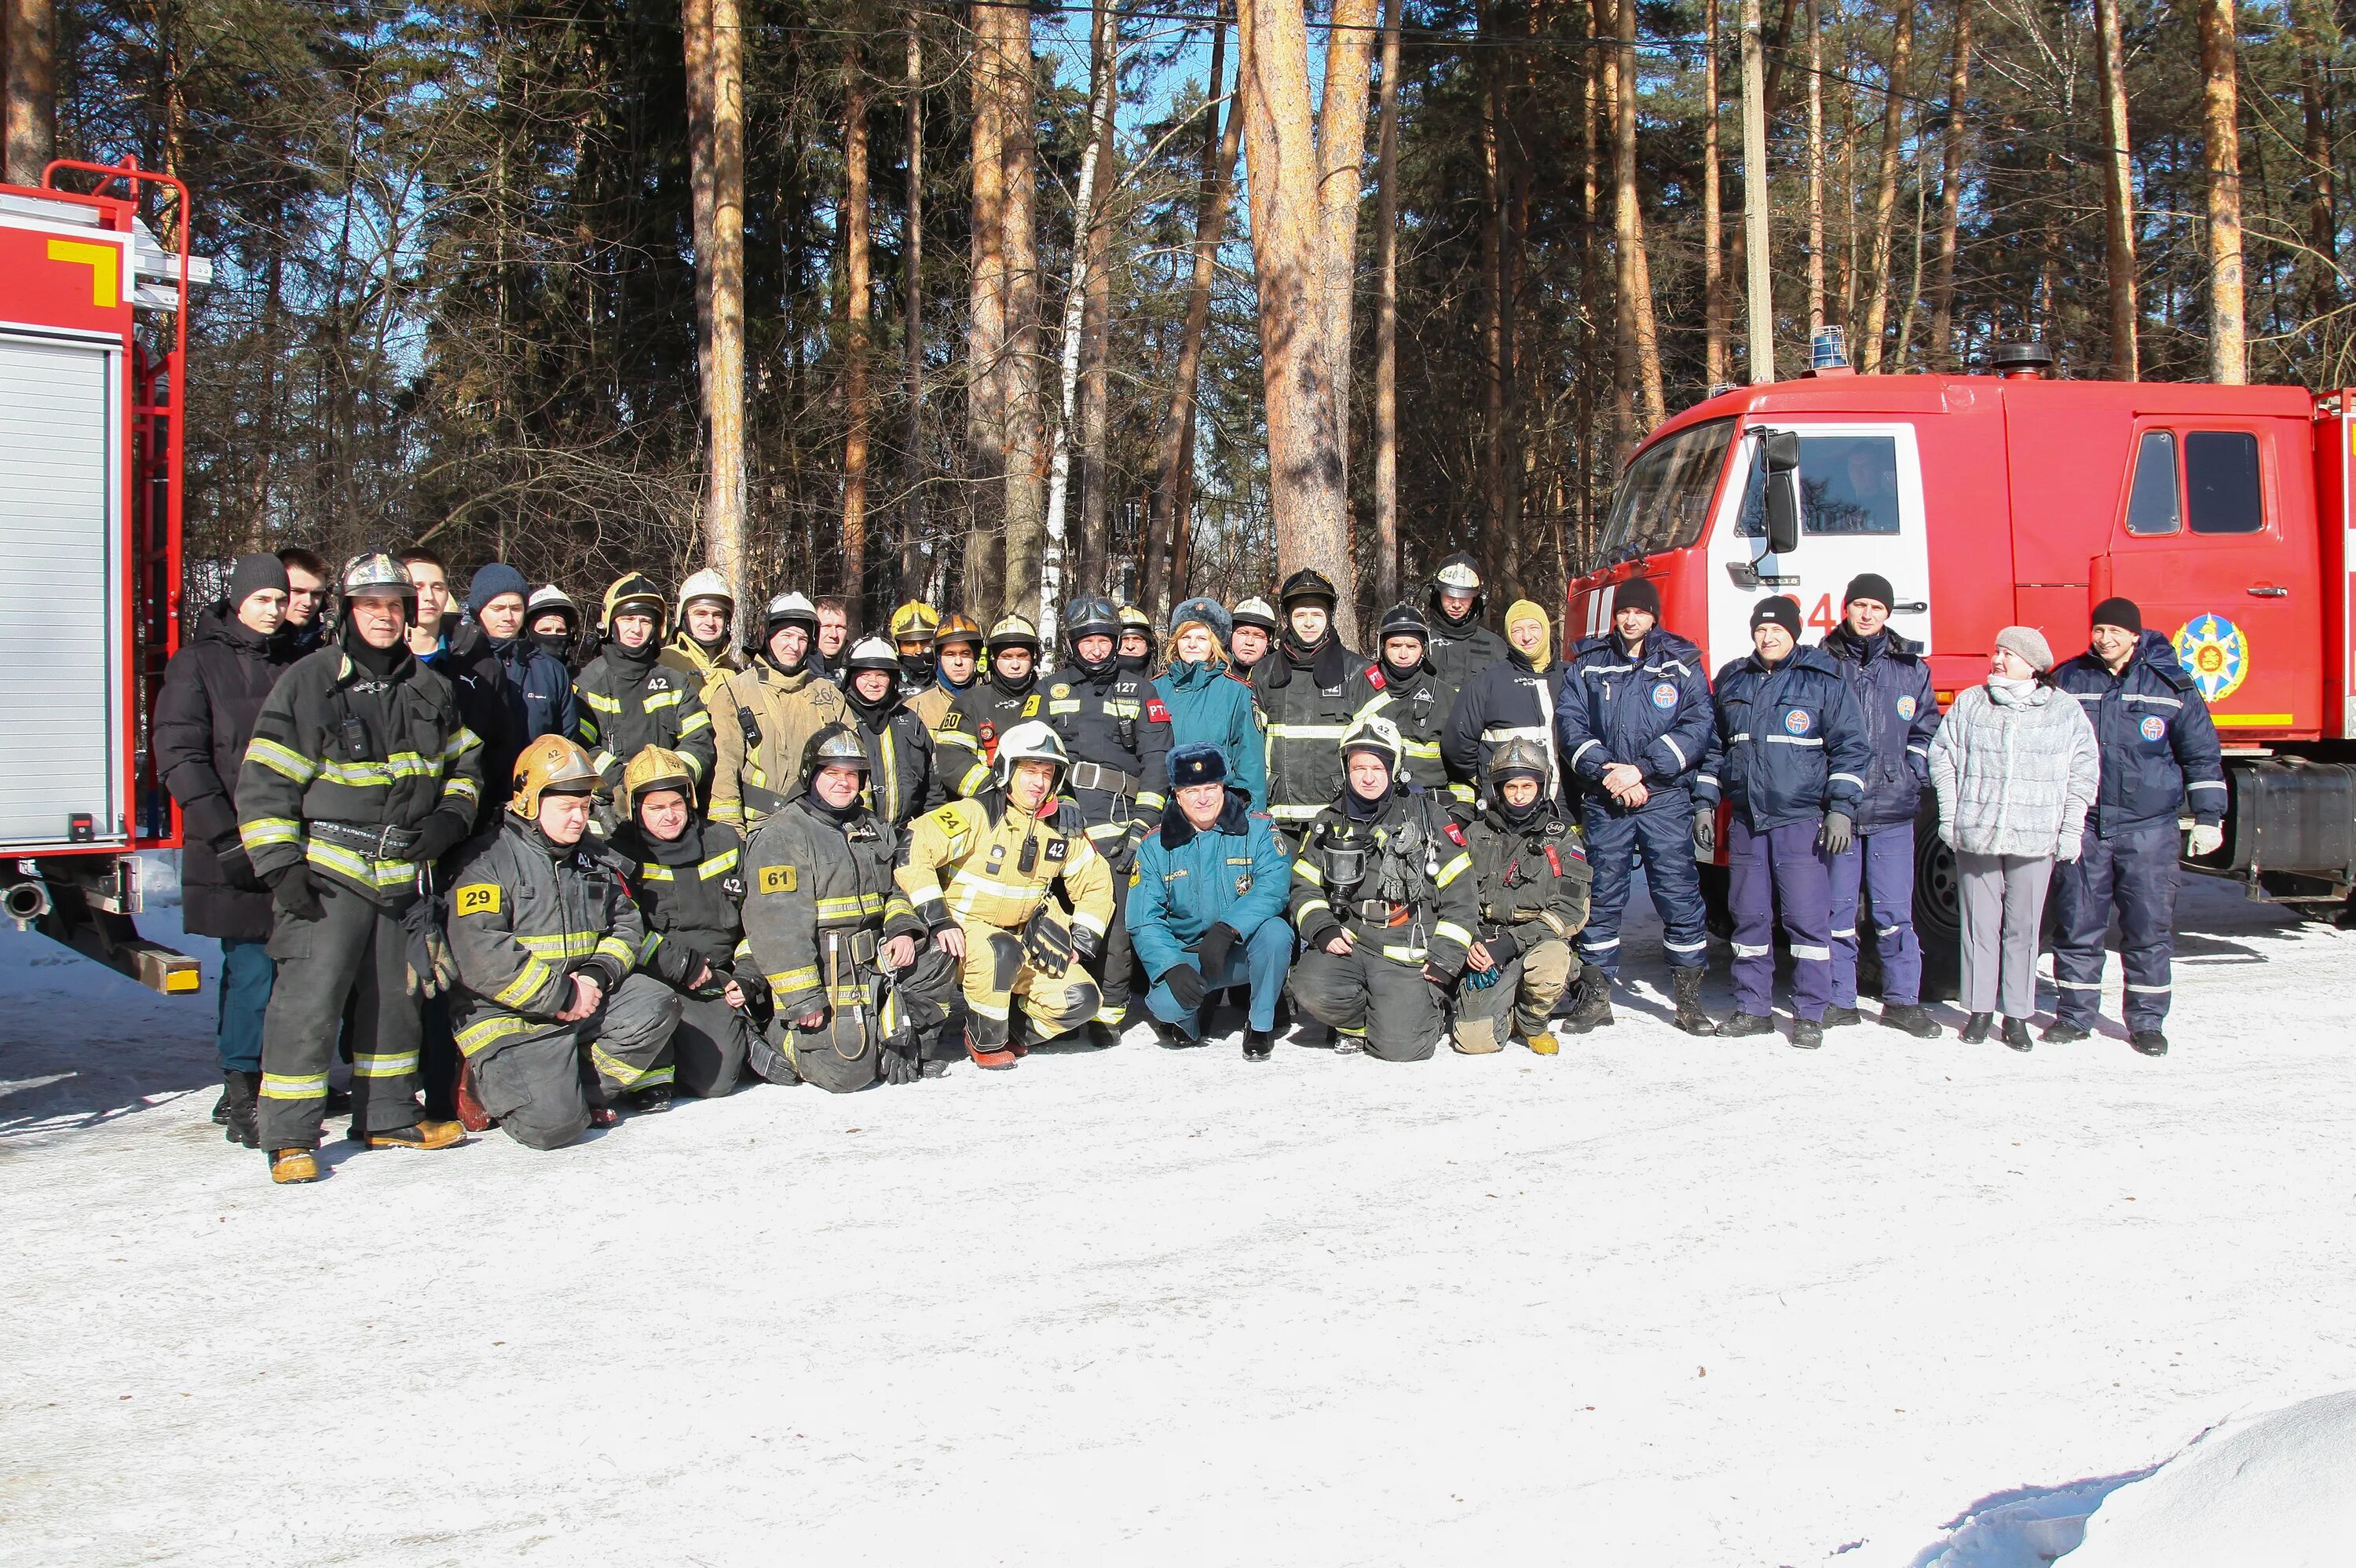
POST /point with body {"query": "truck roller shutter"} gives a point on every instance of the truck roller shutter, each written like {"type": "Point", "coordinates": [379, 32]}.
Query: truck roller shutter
{"type": "Point", "coordinates": [62, 654]}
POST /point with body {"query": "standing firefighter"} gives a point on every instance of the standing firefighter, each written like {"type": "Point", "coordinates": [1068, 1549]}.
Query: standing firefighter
{"type": "Point", "coordinates": [629, 699]}
{"type": "Point", "coordinates": [1891, 682]}
{"type": "Point", "coordinates": [966, 737]}
{"type": "Point", "coordinates": [359, 777]}
{"type": "Point", "coordinates": [956, 659]}
{"type": "Point", "coordinates": [1512, 698]}
{"type": "Point", "coordinates": [774, 708]}
{"type": "Point", "coordinates": [688, 877]}
{"type": "Point", "coordinates": [854, 994]}
{"type": "Point", "coordinates": [1116, 728]}
{"type": "Point", "coordinates": [2160, 756]}
{"type": "Point", "coordinates": [1461, 647]}
{"type": "Point", "coordinates": [1382, 898]}
{"type": "Point", "coordinates": [704, 643]}
{"type": "Point", "coordinates": [904, 775]}
{"type": "Point", "coordinates": [1404, 687]}
{"type": "Point", "coordinates": [913, 626]}
{"type": "Point", "coordinates": [979, 872]}
{"type": "Point", "coordinates": [1532, 875]}
{"type": "Point", "coordinates": [547, 939]}
{"type": "Point", "coordinates": [1303, 687]}
{"type": "Point", "coordinates": [1251, 634]}
{"type": "Point", "coordinates": [1635, 721]}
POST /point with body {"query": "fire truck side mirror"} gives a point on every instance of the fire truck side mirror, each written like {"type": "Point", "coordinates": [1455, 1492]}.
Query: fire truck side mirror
{"type": "Point", "coordinates": [1780, 451]}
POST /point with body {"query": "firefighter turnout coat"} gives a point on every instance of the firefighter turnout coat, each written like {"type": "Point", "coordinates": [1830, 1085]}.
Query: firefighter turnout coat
{"type": "Point", "coordinates": [630, 700]}
{"type": "Point", "coordinates": [772, 715]}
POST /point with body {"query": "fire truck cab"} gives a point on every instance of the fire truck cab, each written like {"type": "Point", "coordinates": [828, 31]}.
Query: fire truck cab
{"type": "Point", "coordinates": [93, 335]}
{"type": "Point", "coordinates": [1989, 500]}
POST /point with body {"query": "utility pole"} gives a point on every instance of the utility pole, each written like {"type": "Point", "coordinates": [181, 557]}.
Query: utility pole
{"type": "Point", "coordinates": [1761, 308]}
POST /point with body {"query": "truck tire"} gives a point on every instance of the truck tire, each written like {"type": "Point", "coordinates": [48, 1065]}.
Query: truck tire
{"type": "Point", "coordinates": [1938, 919]}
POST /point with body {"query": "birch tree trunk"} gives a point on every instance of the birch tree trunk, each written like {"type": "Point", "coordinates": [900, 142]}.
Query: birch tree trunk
{"type": "Point", "coordinates": [695, 31]}
{"type": "Point", "coordinates": [2228, 355]}
{"type": "Point", "coordinates": [1387, 530]}
{"type": "Point", "coordinates": [1168, 522]}
{"type": "Point", "coordinates": [1025, 409]}
{"type": "Point", "coordinates": [1713, 217]}
{"type": "Point", "coordinates": [1951, 195]}
{"type": "Point", "coordinates": [859, 312]}
{"type": "Point", "coordinates": [1885, 191]}
{"type": "Point", "coordinates": [723, 388]}
{"type": "Point", "coordinates": [2118, 188]}
{"type": "Point", "coordinates": [986, 326]}
{"type": "Point", "coordinates": [1096, 322]}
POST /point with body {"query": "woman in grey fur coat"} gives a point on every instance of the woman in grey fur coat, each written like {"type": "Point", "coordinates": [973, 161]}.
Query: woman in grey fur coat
{"type": "Point", "coordinates": [2016, 768]}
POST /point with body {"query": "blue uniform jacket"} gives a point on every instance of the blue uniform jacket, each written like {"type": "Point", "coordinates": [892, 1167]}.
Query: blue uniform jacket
{"type": "Point", "coordinates": [2158, 743]}
{"type": "Point", "coordinates": [1207, 708]}
{"type": "Point", "coordinates": [1185, 882]}
{"type": "Point", "coordinates": [1891, 683]}
{"type": "Point", "coordinates": [1789, 746]}
{"type": "Point", "coordinates": [1652, 711]}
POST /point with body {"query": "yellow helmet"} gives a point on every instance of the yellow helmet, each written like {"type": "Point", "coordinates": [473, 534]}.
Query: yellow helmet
{"type": "Point", "coordinates": [914, 621]}
{"type": "Point", "coordinates": [958, 628]}
{"type": "Point", "coordinates": [550, 766]}
{"type": "Point", "coordinates": [654, 769]}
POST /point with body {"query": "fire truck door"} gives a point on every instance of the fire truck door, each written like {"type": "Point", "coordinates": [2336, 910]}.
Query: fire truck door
{"type": "Point", "coordinates": [1860, 510]}
{"type": "Point", "coordinates": [2215, 543]}
{"type": "Point", "coordinates": [62, 692]}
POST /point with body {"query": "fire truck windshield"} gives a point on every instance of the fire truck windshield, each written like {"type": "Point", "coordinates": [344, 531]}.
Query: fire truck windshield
{"type": "Point", "coordinates": [1664, 499]}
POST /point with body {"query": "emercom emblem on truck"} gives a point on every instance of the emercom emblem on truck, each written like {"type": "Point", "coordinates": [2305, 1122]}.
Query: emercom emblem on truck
{"type": "Point", "coordinates": [2215, 652]}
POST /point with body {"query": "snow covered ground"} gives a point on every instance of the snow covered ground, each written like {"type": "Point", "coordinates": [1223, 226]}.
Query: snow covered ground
{"type": "Point", "coordinates": [1654, 1301]}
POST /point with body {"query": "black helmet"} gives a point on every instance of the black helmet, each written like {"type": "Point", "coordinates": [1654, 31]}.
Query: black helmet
{"type": "Point", "coordinates": [1091, 615]}
{"type": "Point", "coordinates": [1307, 583]}
{"type": "Point", "coordinates": [836, 745]}
{"type": "Point", "coordinates": [1403, 620]}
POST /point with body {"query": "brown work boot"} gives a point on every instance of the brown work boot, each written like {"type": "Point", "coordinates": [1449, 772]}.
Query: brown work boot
{"type": "Point", "coordinates": [425, 1134]}
{"type": "Point", "coordinates": [471, 1115]}
{"type": "Point", "coordinates": [288, 1166]}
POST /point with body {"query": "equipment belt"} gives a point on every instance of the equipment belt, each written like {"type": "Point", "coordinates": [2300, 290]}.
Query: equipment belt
{"type": "Point", "coordinates": [860, 946]}
{"type": "Point", "coordinates": [1383, 912]}
{"type": "Point", "coordinates": [767, 802]}
{"type": "Point", "coordinates": [378, 841]}
{"type": "Point", "coordinates": [1094, 776]}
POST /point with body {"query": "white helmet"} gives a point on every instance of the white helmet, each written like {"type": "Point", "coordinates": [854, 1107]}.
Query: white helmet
{"type": "Point", "coordinates": [1031, 741]}
{"type": "Point", "coordinates": [709, 583]}
{"type": "Point", "coordinates": [1376, 734]}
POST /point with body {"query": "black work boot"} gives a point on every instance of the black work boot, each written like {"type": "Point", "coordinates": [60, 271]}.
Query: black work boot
{"type": "Point", "coordinates": [1690, 1017]}
{"type": "Point", "coordinates": [2148, 1043]}
{"type": "Point", "coordinates": [2059, 1033]}
{"type": "Point", "coordinates": [1594, 1008]}
{"type": "Point", "coordinates": [1103, 1036]}
{"type": "Point", "coordinates": [1841, 1018]}
{"type": "Point", "coordinates": [1807, 1034]}
{"type": "Point", "coordinates": [242, 1119]}
{"type": "Point", "coordinates": [651, 1101]}
{"type": "Point", "coordinates": [1257, 1044]}
{"type": "Point", "coordinates": [1909, 1018]}
{"type": "Point", "coordinates": [1975, 1028]}
{"type": "Point", "coordinates": [1169, 1036]}
{"type": "Point", "coordinates": [1735, 1026]}
{"type": "Point", "coordinates": [2016, 1034]}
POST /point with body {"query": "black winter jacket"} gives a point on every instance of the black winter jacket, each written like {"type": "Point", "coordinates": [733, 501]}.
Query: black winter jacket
{"type": "Point", "coordinates": [213, 691]}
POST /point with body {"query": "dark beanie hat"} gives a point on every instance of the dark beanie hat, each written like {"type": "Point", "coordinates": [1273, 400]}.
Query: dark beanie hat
{"type": "Point", "coordinates": [1869, 585]}
{"type": "Point", "coordinates": [2124, 613]}
{"type": "Point", "coordinates": [491, 581]}
{"type": "Point", "coordinates": [1197, 765]}
{"type": "Point", "coordinates": [252, 574]}
{"type": "Point", "coordinates": [1637, 593]}
{"type": "Point", "coordinates": [1782, 609]}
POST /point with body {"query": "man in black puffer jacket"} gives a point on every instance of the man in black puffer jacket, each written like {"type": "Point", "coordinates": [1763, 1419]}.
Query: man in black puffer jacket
{"type": "Point", "coordinates": [213, 690]}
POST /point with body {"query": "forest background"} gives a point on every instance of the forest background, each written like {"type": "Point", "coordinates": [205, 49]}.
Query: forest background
{"type": "Point", "coordinates": [983, 303]}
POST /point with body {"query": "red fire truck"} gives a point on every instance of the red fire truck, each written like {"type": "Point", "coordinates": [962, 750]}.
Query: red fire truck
{"type": "Point", "coordinates": [2012, 497]}
{"type": "Point", "coordinates": [93, 336]}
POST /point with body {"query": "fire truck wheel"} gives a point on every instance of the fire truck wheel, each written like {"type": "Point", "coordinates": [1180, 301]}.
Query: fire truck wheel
{"type": "Point", "coordinates": [1938, 921]}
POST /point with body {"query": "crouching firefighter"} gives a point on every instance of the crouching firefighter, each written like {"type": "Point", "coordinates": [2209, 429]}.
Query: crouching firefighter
{"type": "Point", "coordinates": [359, 776]}
{"type": "Point", "coordinates": [688, 877]}
{"type": "Point", "coordinates": [1532, 872]}
{"type": "Point", "coordinates": [979, 872]}
{"type": "Point", "coordinates": [855, 992]}
{"type": "Point", "coordinates": [1382, 898]}
{"type": "Point", "coordinates": [547, 938]}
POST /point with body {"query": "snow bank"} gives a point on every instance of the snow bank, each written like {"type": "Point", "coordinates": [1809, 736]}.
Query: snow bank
{"type": "Point", "coordinates": [2277, 1489]}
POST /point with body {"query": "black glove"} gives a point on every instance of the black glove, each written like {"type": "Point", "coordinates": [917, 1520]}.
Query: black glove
{"type": "Point", "coordinates": [1504, 945]}
{"type": "Point", "coordinates": [1185, 983]}
{"type": "Point", "coordinates": [292, 892]}
{"type": "Point", "coordinates": [1437, 975]}
{"type": "Point", "coordinates": [439, 833]}
{"type": "Point", "coordinates": [236, 866]}
{"type": "Point", "coordinates": [1087, 944]}
{"type": "Point", "coordinates": [1837, 833]}
{"type": "Point", "coordinates": [1213, 949]}
{"type": "Point", "coordinates": [900, 1066]}
{"type": "Point", "coordinates": [1705, 833]}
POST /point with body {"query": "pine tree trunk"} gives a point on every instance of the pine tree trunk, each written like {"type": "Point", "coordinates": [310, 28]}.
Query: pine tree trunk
{"type": "Point", "coordinates": [1885, 192]}
{"type": "Point", "coordinates": [1713, 217]}
{"type": "Point", "coordinates": [2228, 355]}
{"type": "Point", "coordinates": [1167, 523]}
{"type": "Point", "coordinates": [1950, 196]}
{"type": "Point", "coordinates": [913, 572]}
{"type": "Point", "coordinates": [1642, 333]}
{"type": "Point", "coordinates": [31, 33]}
{"type": "Point", "coordinates": [986, 369]}
{"type": "Point", "coordinates": [859, 317]}
{"type": "Point", "coordinates": [1342, 160]}
{"type": "Point", "coordinates": [723, 391]}
{"type": "Point", "coordinates": [1027, 445]}
{"type": "Point", "coordinates": [1288, 261]}
{"type": "Point", "coordinates": [1816, 169]}
{"type": "Point", "coordinates": [695, 32]}
{"type": "Point", "coordinates": [2322, 268]}
{"type": "Point", "coordinates": [1386, 528]}
{"type": "Point", "coordinates": [2118, 188]}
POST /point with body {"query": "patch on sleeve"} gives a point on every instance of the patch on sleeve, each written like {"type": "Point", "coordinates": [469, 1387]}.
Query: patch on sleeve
{"type": "Point", "coordinates": [1156, 711]}
{"type": "Point", "coordinates": [476, 898]}
{"type": "Point", "coordinates": [1554, 859]}
{"type": "Point", "coordinates": [1455, 835]}
{"type": "Point", "coordinates": [1375, 679]}
{"type": "Point", "coordinates": [779, 879]}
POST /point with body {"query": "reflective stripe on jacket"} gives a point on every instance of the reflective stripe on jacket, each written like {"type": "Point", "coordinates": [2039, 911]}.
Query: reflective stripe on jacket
{"type": "Point", "coordinates": [524, 915]}
{"type": "Point", "coordinates": [2158, 744]}
{"type": "Point", "coordinates": [1788, 745]}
